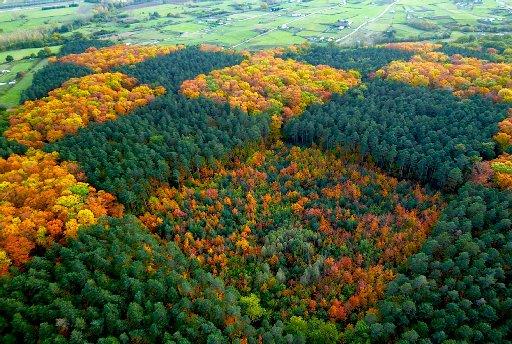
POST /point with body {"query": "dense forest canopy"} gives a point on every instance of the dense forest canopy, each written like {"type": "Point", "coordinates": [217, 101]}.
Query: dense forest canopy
{"type": "Point", "coordinates": [365, 60]}
{"type": "Point", "coordinates": [50, 77]}
{"type": "Point", "coordinates": [77, 45]}
{"type": "Point", "coordinates": [310, 194]}
{"type": "Point", "coordinates": [459, 286]}
{"type": "Point", "coordinates": [166, 141]}
{"type": "Point", "coordinates": [290, 221]}
{"type": "Point", "coordinates": [408, 131]}
{"type": "Point", "coordinates": [99, 287]}
{"type": "Point", "coordinates": [172, 69]}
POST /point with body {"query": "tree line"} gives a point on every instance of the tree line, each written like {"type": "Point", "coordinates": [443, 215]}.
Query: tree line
{"type": "Point", "coordinates": [366, 60]}
{"type": "Point", "coordinates": [172, 69]}
{"type": "Point", "coordinates": [79, 45]}
{"type": "Point", "coordinates": [450, 49]}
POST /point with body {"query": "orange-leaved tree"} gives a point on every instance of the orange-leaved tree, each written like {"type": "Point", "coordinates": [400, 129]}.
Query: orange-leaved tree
{"type": "Point", "coordinates": [42, 201]}
{"type": "Point", "coordinates": [265, 83]}
{"type": "Point", "coordinates": [415, 47]}
{"type": "Point", "coordinates": [92, 98]}
{"type": "Point", "coordinates": [101, 60]}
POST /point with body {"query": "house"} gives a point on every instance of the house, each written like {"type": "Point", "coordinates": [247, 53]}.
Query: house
{"type": "Point", "coordinates": [343, 24]}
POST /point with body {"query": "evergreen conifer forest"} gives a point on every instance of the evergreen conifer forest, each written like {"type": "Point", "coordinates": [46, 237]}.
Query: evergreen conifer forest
{"type": "Point", "coordinates": [154, 193]}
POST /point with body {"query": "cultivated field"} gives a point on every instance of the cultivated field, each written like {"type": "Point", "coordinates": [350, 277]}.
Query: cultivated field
{"type": "Point", "coordinates": [242, 24]}
{"type": "Point", "coordinates": [16, 76]}
{"type": "Point", "coordinates": [250, 24]}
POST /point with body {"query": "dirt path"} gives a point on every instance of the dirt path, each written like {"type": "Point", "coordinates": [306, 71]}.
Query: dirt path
{"type": "Point", "coordinates": [368, 22]}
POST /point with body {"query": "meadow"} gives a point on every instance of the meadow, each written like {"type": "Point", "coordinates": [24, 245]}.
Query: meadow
{"type": "Point", "coordinates": [21, 70]}
{"type": "Point", "coordinates": [34, 17]}
{"type": "Point", "coordinates": [250, 24]}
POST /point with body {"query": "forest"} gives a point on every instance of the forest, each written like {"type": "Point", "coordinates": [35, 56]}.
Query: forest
{"type": "Point", "coordinates": [407, 130]}
{"type": "Point", "coordinates": [364, 59]}
{"type": "Point", "coordinates": [306, 194]}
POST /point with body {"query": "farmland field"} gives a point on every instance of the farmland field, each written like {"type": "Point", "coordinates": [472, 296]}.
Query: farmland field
{"type": "Point", "coordinates": [34, 17]}
{"type": "Point", "coordinates": [21, 71]}
{"type": "Point", "coordinates": [253, 25]}
{"type": "Point", "coordinates": [250, 24]}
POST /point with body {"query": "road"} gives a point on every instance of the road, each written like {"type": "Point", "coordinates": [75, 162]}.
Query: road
{"type": "Point", "coordinates": [339, 40]}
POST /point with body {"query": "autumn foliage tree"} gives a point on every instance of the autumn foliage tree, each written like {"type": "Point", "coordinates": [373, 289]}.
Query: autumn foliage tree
{"type": "Point", "coordinates": [416, 47]}
{"type": "Point", "coordinates": [92, 98]}
{"type": "Point", "coordinates": [103, 59]}
{"type": "Point", "coordinates": [265, 83]}
{"type": "Point", "coordinates": [44, 201]}
{"type": "Point", "coordinates": [464, 76]}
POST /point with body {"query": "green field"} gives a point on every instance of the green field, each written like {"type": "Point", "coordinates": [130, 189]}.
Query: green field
{"type": "Point", "coordinates": [253, 24]}
{"type": "Point", "coordinates": [11, 97]}
{"type": "Point", "coordinates": [22, 53]}
{"type": "Point", "coordinates": [10, 93]}
{"type": "Point", "coordinates": [18, 20]}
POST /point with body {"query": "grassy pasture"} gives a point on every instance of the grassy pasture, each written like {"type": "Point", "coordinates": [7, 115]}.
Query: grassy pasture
{"type": "Point", "coordinates": [32, 18]}
{"type": "Point", "coordinates": [10, 94]}
{"type": "Point", "coordinates": [21, 53]}
{"type": "Point", "coordinates": [251, 24]}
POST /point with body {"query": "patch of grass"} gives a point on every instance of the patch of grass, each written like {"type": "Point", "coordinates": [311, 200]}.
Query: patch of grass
{"type": "Point", "coordinates": [11, 96]}
{"type": "Point", "coordinates": [228, 23]}
{"type": "Point", "coordinates": [21, 53]}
